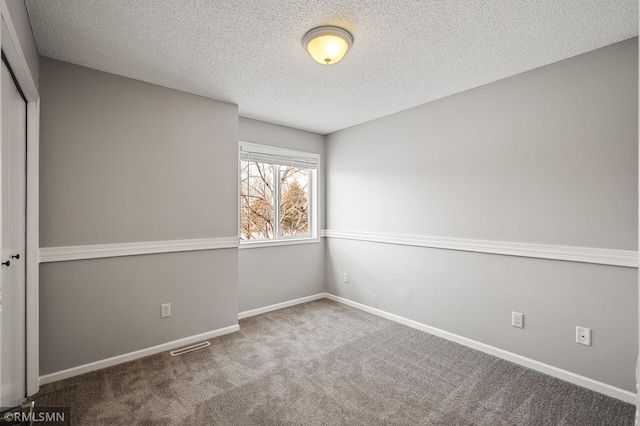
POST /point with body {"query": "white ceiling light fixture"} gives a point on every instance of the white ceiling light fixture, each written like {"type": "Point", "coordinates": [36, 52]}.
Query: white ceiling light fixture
{"type": "Point", "coordinates": [327, 45]}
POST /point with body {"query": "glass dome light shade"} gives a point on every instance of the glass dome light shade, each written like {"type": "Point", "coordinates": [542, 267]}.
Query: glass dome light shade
{"type": "Point", "coordinates": [327, 45]}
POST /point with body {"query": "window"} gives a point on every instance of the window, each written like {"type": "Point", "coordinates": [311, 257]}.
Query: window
{"type": "Point", "coordinates": [277, 195]}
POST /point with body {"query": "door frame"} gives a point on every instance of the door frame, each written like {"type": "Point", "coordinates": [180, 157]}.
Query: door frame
{"type": "Point", "coordinates": [12, 49]}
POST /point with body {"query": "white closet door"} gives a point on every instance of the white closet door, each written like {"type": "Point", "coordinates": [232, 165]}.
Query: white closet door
{"type": "Point", "coordinates": [12, 290]}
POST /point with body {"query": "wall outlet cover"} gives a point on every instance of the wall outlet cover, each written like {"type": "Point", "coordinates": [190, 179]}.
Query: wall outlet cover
{"type": "Point", "coordinates": [165, 310]}
{"type": "Point", "coordinates": [583, 336]}
{"type": "Point", "coordinates": [517, 319]}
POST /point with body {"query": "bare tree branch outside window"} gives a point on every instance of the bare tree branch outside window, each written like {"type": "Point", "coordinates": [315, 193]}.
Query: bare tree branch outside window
{"type": "Point", "coordinates": [294, 201]}
{"type": "Point", "coordinates": [257, 200]}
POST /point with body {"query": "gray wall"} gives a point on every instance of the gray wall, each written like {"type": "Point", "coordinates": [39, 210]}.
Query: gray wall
{"type": "Point", "coordinates": [549, 157]}
{"type": "Point", "coordinates": [271, 275]}
{"type": "Point", "coordinates": [95, 309]}
{"type": "Point", "coordinates": [126, 161]}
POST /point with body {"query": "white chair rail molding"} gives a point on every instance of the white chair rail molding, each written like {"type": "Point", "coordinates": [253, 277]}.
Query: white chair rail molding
{"type": "Point", "coordinates": [602, 256]}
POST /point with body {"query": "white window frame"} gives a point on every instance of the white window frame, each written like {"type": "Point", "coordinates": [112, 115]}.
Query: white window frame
{"type": "Point", "coordinates": [314, 211]}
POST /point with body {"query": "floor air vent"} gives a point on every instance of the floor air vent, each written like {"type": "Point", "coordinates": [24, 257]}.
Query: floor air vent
{"type": "Point", "coordinates": [190, 348]}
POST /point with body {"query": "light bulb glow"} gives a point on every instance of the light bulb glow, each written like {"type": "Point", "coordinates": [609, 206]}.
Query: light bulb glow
{"type": "Point", "coordinates": [334, 47]}
{"type": "Point", "coordinates": [327, 45]}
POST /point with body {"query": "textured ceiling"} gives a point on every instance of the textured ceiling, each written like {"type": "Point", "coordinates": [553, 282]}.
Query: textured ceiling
{"type": "Point", "coordinates": [248, 52]}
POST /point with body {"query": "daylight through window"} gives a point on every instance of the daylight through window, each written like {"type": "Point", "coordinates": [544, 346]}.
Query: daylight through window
{"type": "Point", "coordinates": [277, 192]}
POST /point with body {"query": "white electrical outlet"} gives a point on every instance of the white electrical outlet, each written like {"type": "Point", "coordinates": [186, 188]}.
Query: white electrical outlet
{"type": "Point", "coordinates": [165, 310]}
{"type": "Point", "coordinates": [583, 336]}
{"type": "Point", "coordinates": [345, 277]}
{"type": "Point", "coordinates": [517, 319]}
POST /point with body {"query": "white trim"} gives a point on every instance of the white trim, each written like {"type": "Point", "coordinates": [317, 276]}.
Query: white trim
{"type": "Point", "coordinates": [282, 305]}
{"type": "Point", "coordinates": [75, 371]}
{"type": "Point", "coordinates": [32, 252]}
{"type": "Point", "coordinates": [550, 370]}
{"type": "Point", "coordinates": [23, 74]}
{"type": "Point", "coordinates": [251, 244]}
{"type": "Point", "coordinates": [1, 197]}
{"type": "Point", "coordinates": [97, 251]}
{"type": "Point", "coordinates": [601, 256]}
{"type": "Point", "coordinates": [559, 373]}
{"type": "Point", "coordinates": [15, 56]}
{"type": "Point", "coordinates": [276, 150]}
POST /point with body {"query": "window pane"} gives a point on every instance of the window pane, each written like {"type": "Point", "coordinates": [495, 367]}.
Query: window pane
{"type": "Point", "coordinates": [294, 201]}
{"type": "Point", "coordinates": [256, 200]}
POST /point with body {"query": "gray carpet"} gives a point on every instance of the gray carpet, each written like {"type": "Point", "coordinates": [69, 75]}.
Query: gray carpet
{"type": "Point", "coordinates": [323, 363]}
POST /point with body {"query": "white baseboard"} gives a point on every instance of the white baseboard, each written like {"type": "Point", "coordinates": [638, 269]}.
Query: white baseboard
{"type": "Point", "coordinates": [75, 371]}
{"type": "Point", "coordinates": [559, 373]}
{"type": "Point", "coordinates": [265, 309]}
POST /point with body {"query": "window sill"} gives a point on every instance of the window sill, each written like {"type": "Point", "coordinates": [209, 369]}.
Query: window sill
{"type": "Point", "coordinates": [274, 243]}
